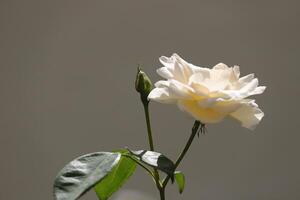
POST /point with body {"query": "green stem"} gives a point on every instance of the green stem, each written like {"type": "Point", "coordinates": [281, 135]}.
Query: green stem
{"type": "Point", "coordinates": [150, 139]}
{"type": "Point", "coordinates": [162, 194]}
{"type": "Point", "coordinates": [195, 128]}
{"type": "Point", "coordinates": [140, 164]}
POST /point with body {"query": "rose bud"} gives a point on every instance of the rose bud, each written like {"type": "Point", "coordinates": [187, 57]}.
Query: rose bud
{"type": "Point", "coordinates": [143, 85]}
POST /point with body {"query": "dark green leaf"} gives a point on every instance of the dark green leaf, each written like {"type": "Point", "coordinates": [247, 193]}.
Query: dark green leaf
{"type": "Point", "coordinates": [116, 178]}
{"type": "Point", "coordinates": [180, 180]}
{"type": "Point", "coordinates": [156, 160]}
{"type": "Point", "coordinates": [83, 173]}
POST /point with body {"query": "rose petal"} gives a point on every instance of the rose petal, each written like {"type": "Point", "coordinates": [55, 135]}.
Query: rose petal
{"type": "Point", "coordinates": [246, 79]}
{"type": "Point", "coordinates": [196, 78]}
{"type": "Point", "coordinates": [161, 84]}
{"type": "Point", "coordinates": [258, 90]}
{"type": "Point", "coordinates": [221, 66]}
{"type": "Point", "coordinates": [175, 65]}
{"type": "Point", "coordinates": [249, 89]}
{"type": "Point", "coordinates": [205, 115]}
{"type": "Point", "coordinates": [180, 90]}
{"type": "Point", "coordinates": [167, 62]}
{"type": "Point", "coordinates": [161, 95]}
{"type": "Point", "coordinates": [165, 73]}
{"type": "Point", "coordinates": [226, 106]}
{"type": "Point", "coordinates": [204, 71]}
{"type": "Point", "coordinates": [181, 72]}
{"type": "Point", "coordinates": [236, 70]}
{"type": "Point", "coordinates": [248, 114]}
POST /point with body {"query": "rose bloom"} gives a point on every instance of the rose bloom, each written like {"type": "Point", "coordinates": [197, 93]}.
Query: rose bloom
{"type": "Point", "coordinates": [209, 95]}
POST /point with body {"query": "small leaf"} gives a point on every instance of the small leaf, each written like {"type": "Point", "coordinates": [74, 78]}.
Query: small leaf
{"type": "Point", "coordinates": [180, 180]}
{"type": "Point", "coordinates": [156, 160]}
{"type": "Point", "coordinates": [83, 173]}
{"type": "Point", "coordinates": [116, 178]}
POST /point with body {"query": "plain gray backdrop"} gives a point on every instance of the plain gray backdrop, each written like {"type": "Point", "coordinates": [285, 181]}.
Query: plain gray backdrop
{"type": "Point", "coordinates": [67, 72]}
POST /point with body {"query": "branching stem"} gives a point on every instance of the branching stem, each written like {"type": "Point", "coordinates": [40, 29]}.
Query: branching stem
{"type": "Point", "coordinates": [198, 127]}
{"type": "Point", "coordinates": [195, 130]}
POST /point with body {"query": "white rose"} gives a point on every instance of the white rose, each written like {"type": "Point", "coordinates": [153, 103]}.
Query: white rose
{"type": "Point", "coordinates": [209, 95]}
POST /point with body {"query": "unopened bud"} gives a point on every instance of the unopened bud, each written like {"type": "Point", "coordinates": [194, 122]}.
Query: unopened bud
{"type": "Point", "coordinates": [143, 85]}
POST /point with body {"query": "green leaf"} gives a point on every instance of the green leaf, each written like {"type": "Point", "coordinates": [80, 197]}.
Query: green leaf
{"type": "Point", "coordinates": [116, 178]}
{"type": "Point", "coordinates": [156, 160]}
{"type": "Point", "coordinates": [180, 180]}
{"type": "Point", "coordinates": [83, 173]}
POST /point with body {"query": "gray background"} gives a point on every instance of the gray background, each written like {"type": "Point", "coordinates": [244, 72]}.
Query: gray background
{"type": "Point", "coordinates": [66, 82]}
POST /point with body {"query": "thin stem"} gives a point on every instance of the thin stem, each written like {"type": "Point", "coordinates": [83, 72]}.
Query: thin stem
{"type": "Point", "coordinates": [140, 164]}
{"type": "Point", "coordinates": [162, 194]}
{"type": "Point", "coordinates": [150, 139]}
{"type": "Point", "coordinates": [195, 128]}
